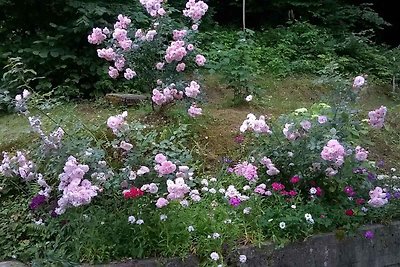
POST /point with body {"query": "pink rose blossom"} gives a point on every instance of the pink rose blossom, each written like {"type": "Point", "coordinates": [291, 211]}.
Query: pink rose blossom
{"type": "Point", "coordinates": [190, 47]}
{"type": "Point", "coordinates": [195, 10]}
{"type": "Point", "coordinates": [97, 36]}
{"type": "Point", "coordinates": [125, 146]}
{"type": "Point", "coordinates": [113, 72]}
{"type": "Point", "coordinates": [192, 90]}
{"type": "Point", "coordinates": [358, 81]}
{"type": "Point", "coordinates": [161, 202]}
{"type": "Point", "coordinates": [378, 197]}
{"type": "Point", "coordinates": [129, 74]}
{"type": "Point", "coordinates": [377, 117]}
{"type": "Point", "coordinates": [180, 67]}
{"type": "Point", "coordinates": [322, 119]}
{"type": "Point", "coordinates": [159, 65]}
{"type": "Point", "coordinates": [306, 125]}
{"type": "Point", "coordinates": [361, 154]}
{"type": "Point", "coordinates": [160, 158]}
{"type": "Point", "coordinates": [194, 111]}
{"type": "Point", "coordinates": [200, 60]}
{"type": "Point", "coordinates": [333, 151]}
{"type": "Point", "coordinates": [106, 53]}
{"type": "Point", "coordinates": [117, 122]}
{"type": "Point", "coordinates": [247, 170]}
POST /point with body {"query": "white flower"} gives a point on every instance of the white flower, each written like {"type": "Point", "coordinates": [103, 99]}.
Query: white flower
{"type": "Point", "coordinates": [249, 98]}
{"type": "Point", "coordinates": [221, 190]}
{"type": "Point", "coordinates": [140, 221]}
{"type": "Point", "coordinates": [132, 175]}
{"type": "Point", "coordinates": [214, 256]}
{"type": "Point", "coordinates": [216, 235]}
{"type": "Point", "coordinates": [25, 93]}
{"type": "Point", "coordinates": [307, 216]}
{"type": "Point", "coordinates": [313, 190]}
{"type": "Point", "coordinates": [190, 228]}
{"type": "Point", "coordinates": [282, 225]}
{"type": "Point", "coordinates": [204, 189]}
{"type": "Point", "coordinates": [143, 170]}
{"type": "Point", "coordinates": [246, 210]}
{"type": "Point", "coordinates": [212, 191]}
{"type": "Point", "coordinates": [184, 203]}
{"type": "Point", "coordinates": [393, 169]}
{"type": "Point", "coordinates": [290, 154]}
{"type": "Point", "coordinates": [228, 221]}
{"type": "Point", "coordinates": [163, 217]}
{"type": "Point", "coordinates": [293, 206]}
{"type": "Point", "coordinates": [246, 187]}
{"type": "Point", "coordinates": [213, 179]}
{"type": "Point", "coordinates": [102, 223]}
{"type": "Point", "coordinates": [39, 222]}
{"type": "Point", "coordinates": [131, 219]}
{"type": "Point", "coordinates": [364, 209]}
{"type": "Point", "coordinates": [242, 258]}
{"type": "Point", "coordinates": [310, 221]}
{"type": "Point", "coordinates": [204, 182]}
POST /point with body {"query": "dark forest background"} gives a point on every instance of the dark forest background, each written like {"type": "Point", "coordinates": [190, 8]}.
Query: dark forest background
{"type": "Point", "coordinates": [51, 36]}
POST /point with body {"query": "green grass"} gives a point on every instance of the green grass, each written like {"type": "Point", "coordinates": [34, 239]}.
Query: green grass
{"type": "Point", "coordinates": [15, 131]}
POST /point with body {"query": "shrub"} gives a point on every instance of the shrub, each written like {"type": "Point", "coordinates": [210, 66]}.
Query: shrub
{"type": "Point", "coordinates": [160, 64]}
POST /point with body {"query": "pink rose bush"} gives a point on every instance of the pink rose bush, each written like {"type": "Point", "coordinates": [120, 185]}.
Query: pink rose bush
{"type": "Point", "coordinates": [117, 123]}
{"type": "Point", "coordinates": [378, 197]}
{"type": "Point", "coordinates": [127, 47]}
{"type": "Point", "coordinates": [377, 117]}
{"type": "Point", "coordinates": [333, 151]}
{"type": "Point", "coordinates": [76, 190]}
{"type": "Point", "coordinates": [255, 125]}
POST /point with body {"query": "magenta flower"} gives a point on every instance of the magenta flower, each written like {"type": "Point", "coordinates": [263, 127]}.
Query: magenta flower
{"type": "Point", "coordinates": [234, 201]}
{"type": "Point", "coordinates": [369, 234]}
{"type": "Point", "coordinates": [278, 186]}
{"type": "Point", "coordinates": [295, 179]}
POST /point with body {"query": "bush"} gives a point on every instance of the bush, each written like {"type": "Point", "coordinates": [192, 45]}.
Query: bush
{"type": "Point", "coordinates": [53, 41]}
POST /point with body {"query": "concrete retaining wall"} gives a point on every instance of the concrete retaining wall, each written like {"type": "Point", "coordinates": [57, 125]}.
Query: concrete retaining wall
{"type": "Point", "coordinates": [323, 250]}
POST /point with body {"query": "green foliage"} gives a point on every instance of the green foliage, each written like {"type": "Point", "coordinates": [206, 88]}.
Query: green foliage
{"type": "Point", "coordinates": [15, 80]}
{"type": "Point", "coordinates": [301, 48]}
{"type": "Point", "coordinates": [237, 64]}
{"type": "Point", "coordinates": [53, 41]}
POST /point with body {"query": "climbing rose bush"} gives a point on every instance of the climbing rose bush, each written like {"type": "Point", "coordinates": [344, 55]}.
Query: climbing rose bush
{"type": "Point", "coordinates": [134, 53]}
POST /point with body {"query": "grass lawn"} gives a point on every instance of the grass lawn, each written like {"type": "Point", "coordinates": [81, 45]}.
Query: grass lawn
{"type": "Point", "coordinates": [222, 121]}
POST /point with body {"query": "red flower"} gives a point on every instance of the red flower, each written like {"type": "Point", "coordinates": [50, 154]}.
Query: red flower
{"type": "Point", "coordinates": [360, 201]}
{"type": "Point", "coordinates": [319, 191]}
{"type": "Point", "coordinates": [278, 186]}
{"type": "Point", "coordinates": [284, 193]}
{"type": "Point", "coordinates": [295, 179]}
{"type": "Point", "coordinates": [134, 192]}
{"type": "Point", "coordinates": [349, 212]}
{"type": "Point", "coordinates": [239, 139]}
{"type": "Point", "coordinates": [292, 193]}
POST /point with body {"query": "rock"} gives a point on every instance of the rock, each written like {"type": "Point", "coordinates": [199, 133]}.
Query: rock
{"type": "Point", "coordinates": [12, 264]}
{"type": "Point", "coordinates": [126, 99]}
